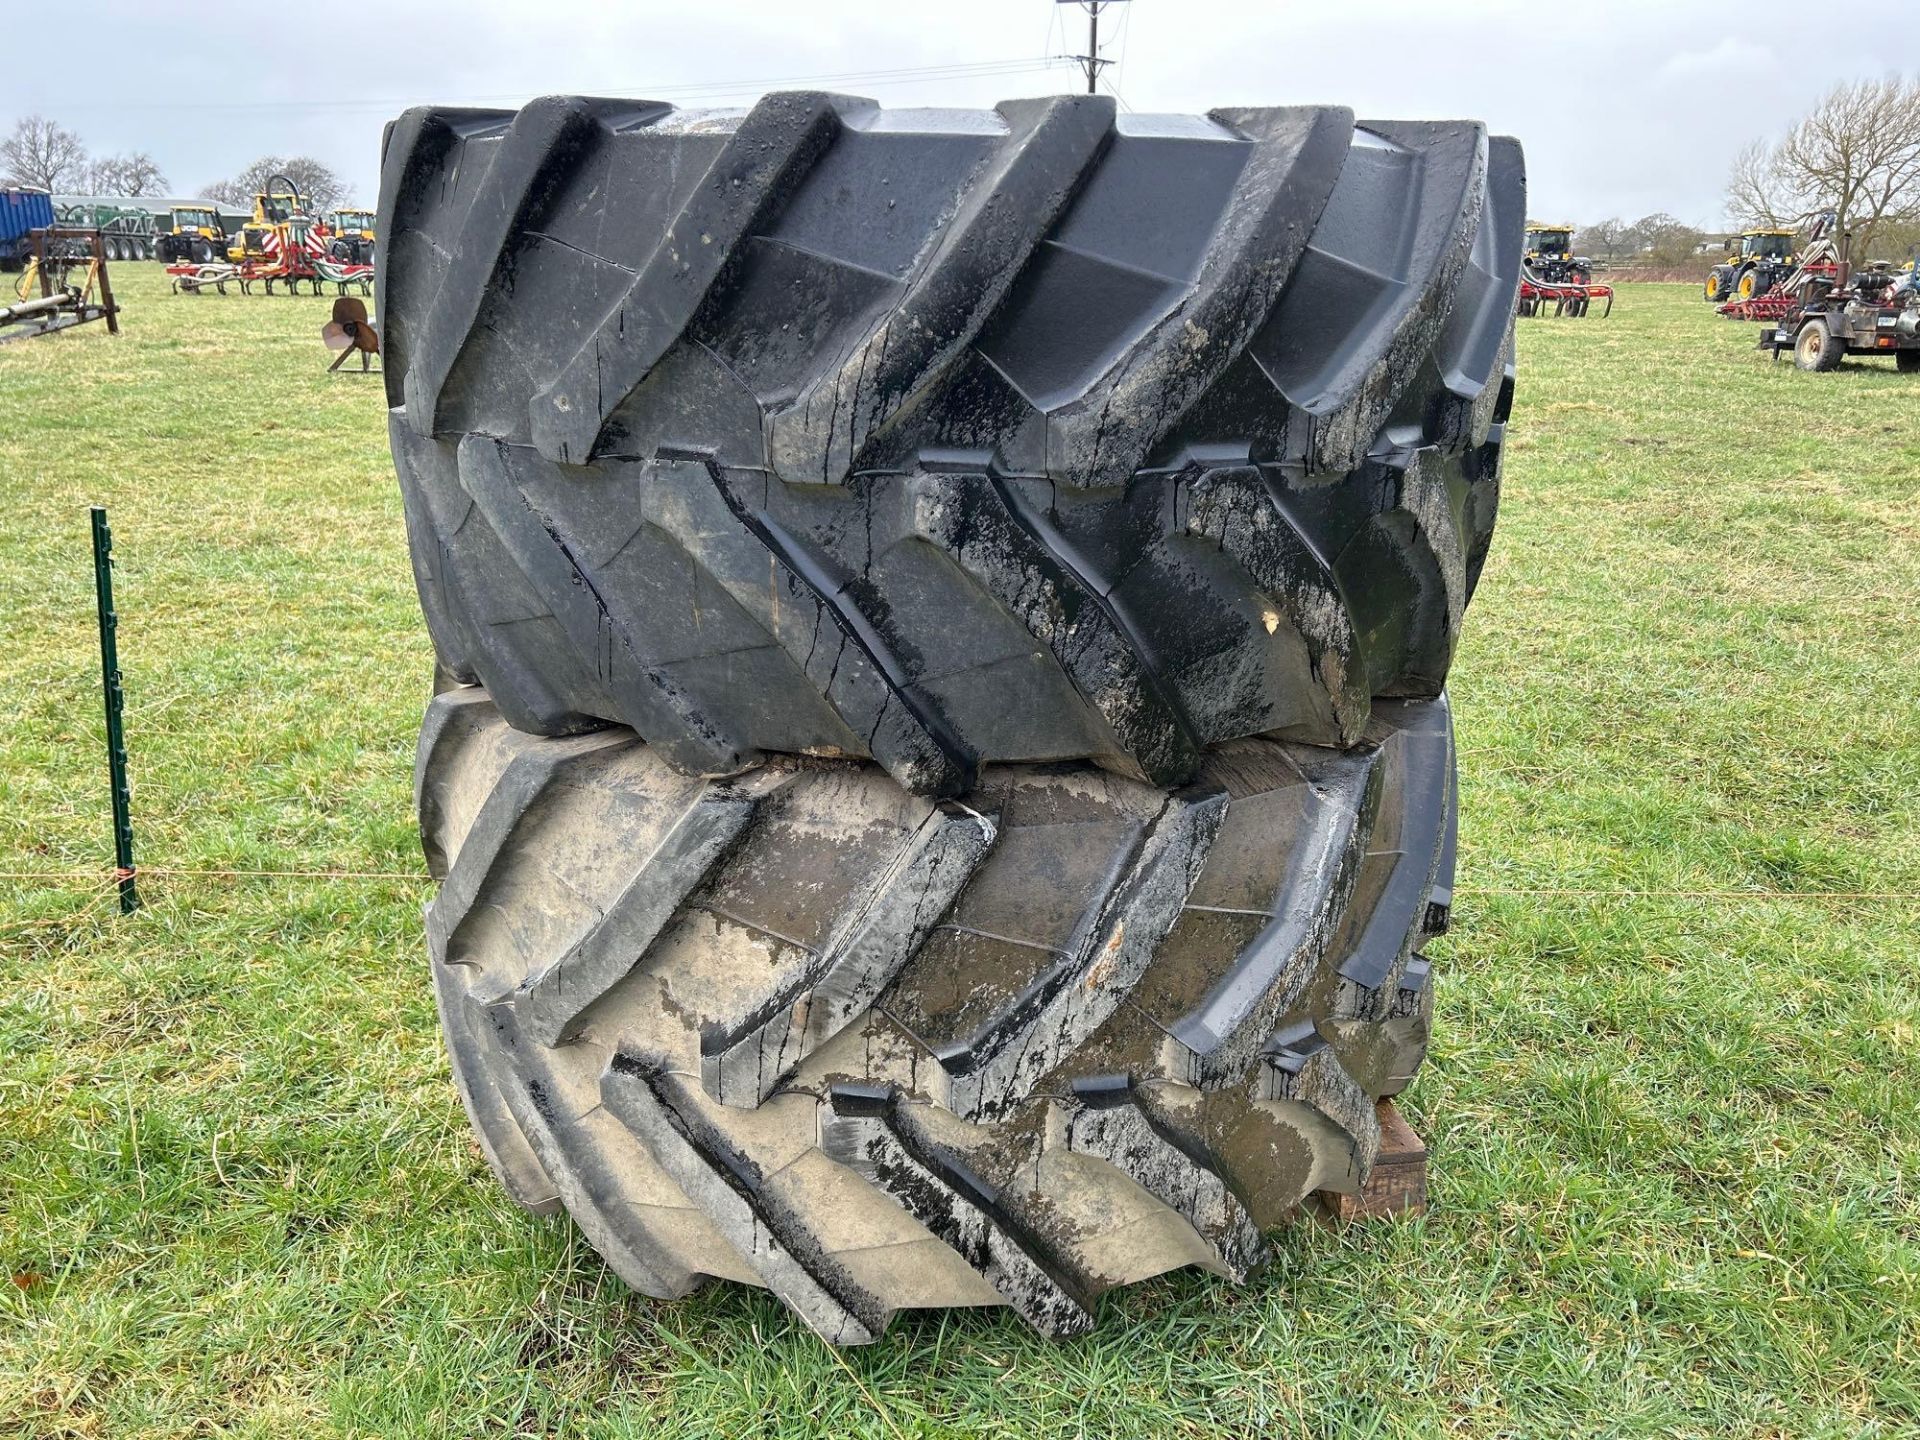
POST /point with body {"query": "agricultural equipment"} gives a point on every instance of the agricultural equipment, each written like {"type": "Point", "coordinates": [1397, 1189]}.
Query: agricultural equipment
{"type": "Point", "coordinates": [352, 236]}
{"type": "Point", "coordinates": [197, 236]}
{"type": "Point", "coordinates": [1816, 269]}
{"type": "Point", "coordinates": [1553, 278]}
{"type": "Point", "coordinates": [941, 778]}
{"type": "Point", "coordinates": [281, 245]}
{"type": "Point", "coordinates": [306, 261]}
{"type": "Point", "coordinates": [128, 227]}
{"type": "Point", "coordinates": [1871, 310]}
{"type": "Point", "coordinates": [1756, 261]}
{"type": "Point", "coordinates": [22, 211]}
{"type": "Point", "coordinates": [351, 333]}
{"type": "Point", "coordinates": [277, 215]}
{"type": "Point", "coordinates": [64, 300]}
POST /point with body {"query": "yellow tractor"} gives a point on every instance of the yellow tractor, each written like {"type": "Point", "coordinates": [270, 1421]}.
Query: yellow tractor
{"type": "Point", "coordinates": [351, 240]}
{"type": "Point", "coordinates": [1756, 261]}
{"type": "Point", "coordinates": [276, 213]}
{"type": "Point", "coordinates": [1550, 255]}
{"type": "Point", "coordinates": [1554, 280]}
{"type": "Point", "coordinates": [196, 236]}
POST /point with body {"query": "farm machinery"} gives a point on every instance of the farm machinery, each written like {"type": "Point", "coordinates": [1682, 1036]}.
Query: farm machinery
{"type": "Point", "coordinates": [1828, 309]}
{"type": "Point", "coordinates": [23, 210]}
{"type": "Point", "coordinates": [1817, 268]}
{"type": "Point", "coordinates": [276, 214]}
{"type": "Point", "coordinates": [1555, 280]}
{"type": "Point", "coordinates": [1757, 260]}
{"type": "Point", "coordinates": [353, 236]}
{"type": "Point", "coordinates": [281, 243]}
{"type": "Point", "coordinates": [128, 229]}
{"type": "Point", "coordinates": [68, 266]}
{"type": "Point", "coordinates": [196, 236]}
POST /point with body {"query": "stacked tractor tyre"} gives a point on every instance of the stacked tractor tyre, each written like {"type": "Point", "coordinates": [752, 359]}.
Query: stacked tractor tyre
{"type": "Point", "coordinates": [941, 775]}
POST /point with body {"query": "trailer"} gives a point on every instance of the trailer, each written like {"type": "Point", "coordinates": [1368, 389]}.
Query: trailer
{"type": "Point", "coordinates": [129, 226]}
{"type": "Point", "coordinates": [1875, 311]}
{"type": "Point", "coordinates": [23, 210]}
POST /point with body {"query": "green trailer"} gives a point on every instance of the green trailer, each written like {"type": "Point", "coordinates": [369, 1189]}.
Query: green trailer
{"type": "Point", "coordinates": [129, 226]}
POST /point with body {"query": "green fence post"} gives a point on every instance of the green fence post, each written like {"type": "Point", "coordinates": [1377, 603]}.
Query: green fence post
{"type": "Point", "coordinates": [116, 734]}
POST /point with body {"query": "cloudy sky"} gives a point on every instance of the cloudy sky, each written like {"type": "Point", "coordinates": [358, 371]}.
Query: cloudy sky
{"type": "Point", "coordinates": [1641, 113]}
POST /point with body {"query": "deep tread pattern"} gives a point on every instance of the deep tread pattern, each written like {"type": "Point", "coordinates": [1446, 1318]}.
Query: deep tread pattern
{"type": "Point", "coordinates": [800, 1027]}
{"type": "Point", "coordinates": [1032, 435]}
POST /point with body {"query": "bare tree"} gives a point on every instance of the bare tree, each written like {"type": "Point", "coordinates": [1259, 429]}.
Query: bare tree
{"type": "Point", "coordinates": [1755, 190]}
{"type": "Point", "coordinates": [42, 153]}
{"type": "Point", "coordinates": [1857, 152]}
{"type": "Point", "coordinates": [134, 174]}
{"type": "Point", "coordinates": [1604, 238]}
{"type": "Point", "coordinates": [1663, 239]}
{"type": "Point", "coordinates": [314, 179]}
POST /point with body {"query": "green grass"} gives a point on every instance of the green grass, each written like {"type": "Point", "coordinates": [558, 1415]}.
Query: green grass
{"type": "Point", "coordinates": [1675, 1136]}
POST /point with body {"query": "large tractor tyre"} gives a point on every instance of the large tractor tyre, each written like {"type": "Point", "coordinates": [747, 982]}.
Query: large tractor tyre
{"type": "Point", "coordinates": [1717, 287]}
{"type": "Point", "coordinates": [801, 1028]}
{"type": "Point", "coordinates": [1753, 281]}
{"type": "Point", "coordinates": [203, 252]}
{"type": "Point", "coordinates": [1816, 347]}
{"type": "Point", "coordinates": [946, 440]}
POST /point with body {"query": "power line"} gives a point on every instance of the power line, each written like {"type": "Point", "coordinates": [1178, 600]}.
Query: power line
{"type": "Point", "coordinates": [1090, 63]}
{"type": "Point", "coordinates": [709, 90]}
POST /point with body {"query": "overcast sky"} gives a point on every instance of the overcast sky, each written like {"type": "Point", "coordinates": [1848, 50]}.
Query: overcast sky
{"type": "Point", "coordinates": [1640, 113]}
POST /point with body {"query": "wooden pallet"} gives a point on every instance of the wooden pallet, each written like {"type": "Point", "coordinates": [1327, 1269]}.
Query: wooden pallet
{"type": "Point", "coordinates": [1398, 1185]}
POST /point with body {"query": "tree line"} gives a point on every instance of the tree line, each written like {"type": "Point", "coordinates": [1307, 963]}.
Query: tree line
{"type": "Point", "coordinates": [46, 155]}
{"type": "Point", "coordinates": [1856, 152]}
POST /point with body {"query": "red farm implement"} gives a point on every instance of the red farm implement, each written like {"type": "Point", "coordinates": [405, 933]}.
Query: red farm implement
{"type": "Point", "coordinates": [302, 256]}
{"type": "Point", "coordinates": [1539, 296]}
{"type": "Point", "coordinates": [283, 244]}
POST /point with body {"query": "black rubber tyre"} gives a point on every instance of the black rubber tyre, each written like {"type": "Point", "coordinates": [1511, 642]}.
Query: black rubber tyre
{"type": "Point", "coordinates": [1816, 347]}
{"type": "Point", "coordinates": [946, 440]}
{"type": "Point", "coordinates": [1906, 361]}
{"type": "Point", "coordinates": [802, 1029]}
{"type": "Point", "coordinates": [1719, 285]}
{"type": "Point", "coordinates": [203, 252]}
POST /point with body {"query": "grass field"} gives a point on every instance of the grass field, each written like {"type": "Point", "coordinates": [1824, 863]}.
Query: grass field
{"type": "Point", "coordinates": [1671, 1101]}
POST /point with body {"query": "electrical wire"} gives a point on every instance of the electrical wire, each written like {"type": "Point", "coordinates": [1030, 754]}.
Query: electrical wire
{"type": "Point", "coordinates": [715, 89]}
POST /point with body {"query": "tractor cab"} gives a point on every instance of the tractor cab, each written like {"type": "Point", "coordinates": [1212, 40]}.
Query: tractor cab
{"type": "Point", "coordinates": [1549, 242]}
{"type": "Point", "coordinates": [352, 222]}
{"type": "Point", "coordinates": [1550, 259]}
{"type": "Point", "coordinates": [277, 208]}
{"type": "Point", "coordinates": [1773, 245]}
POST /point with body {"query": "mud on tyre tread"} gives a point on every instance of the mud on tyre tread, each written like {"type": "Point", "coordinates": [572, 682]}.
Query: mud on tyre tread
{"type": "Point", "coordinates": [801, 1028]}
{"type": "Point", "coordinates": [947, 440]}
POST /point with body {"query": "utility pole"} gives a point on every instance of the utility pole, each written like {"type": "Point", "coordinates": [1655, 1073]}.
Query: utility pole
{"type": "Point", "coordinates": [1091, 62]}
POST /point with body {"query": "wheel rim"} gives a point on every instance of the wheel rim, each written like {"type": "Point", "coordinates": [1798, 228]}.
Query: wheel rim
{"type": "Point", "coordinates": [1811, 343]}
